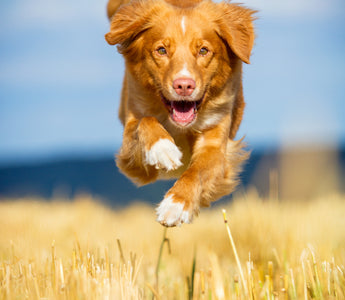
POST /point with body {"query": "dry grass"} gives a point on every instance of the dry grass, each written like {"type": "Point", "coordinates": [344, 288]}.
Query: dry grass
{"type": "Point", "coordinates": [84, 250]}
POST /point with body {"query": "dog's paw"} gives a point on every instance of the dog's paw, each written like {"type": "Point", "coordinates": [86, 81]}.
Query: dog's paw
{"type": "Point", "coordinates": [170, 213]}
{"type": "Point", "coordinates": [164, 154]}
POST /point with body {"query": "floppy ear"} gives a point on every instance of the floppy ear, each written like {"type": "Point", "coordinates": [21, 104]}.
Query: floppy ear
{"type": "Point", "coordinates": [128, 22]}
{"type": "Point", "coordinates": [236, 28]}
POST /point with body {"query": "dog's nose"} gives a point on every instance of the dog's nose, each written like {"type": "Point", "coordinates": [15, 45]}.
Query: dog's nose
{"type": "Point", "coordinates": [184, 86]}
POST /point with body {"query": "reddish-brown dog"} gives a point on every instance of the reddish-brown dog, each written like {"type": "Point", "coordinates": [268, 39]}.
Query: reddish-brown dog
{"type": "Point", "coordinates": [182, 100]}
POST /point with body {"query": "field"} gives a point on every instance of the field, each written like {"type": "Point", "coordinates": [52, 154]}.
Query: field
{"type": "Point", "coordinates": [82, 249]}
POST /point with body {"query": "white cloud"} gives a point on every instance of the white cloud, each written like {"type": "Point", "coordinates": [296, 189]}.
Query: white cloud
{"type": "Point", "coordinates": [56, 41]}
{"type": "Point", "coordinates": [44, 71]}
{"type": "Point", "coordinates": [53, 13]}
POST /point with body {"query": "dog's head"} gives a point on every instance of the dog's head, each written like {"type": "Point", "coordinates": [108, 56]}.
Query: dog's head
{"type": "Point", "coordinates": [184, 52]}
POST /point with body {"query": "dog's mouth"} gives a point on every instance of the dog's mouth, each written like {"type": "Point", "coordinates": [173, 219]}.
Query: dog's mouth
{"type": "Point", "coordinates": [182, 112]}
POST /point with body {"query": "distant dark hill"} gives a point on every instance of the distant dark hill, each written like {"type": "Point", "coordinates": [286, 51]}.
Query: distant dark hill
{"type": "Point", "coordinates": [101, 178]}
{"type": "Point", "coordinates": [98, 177]}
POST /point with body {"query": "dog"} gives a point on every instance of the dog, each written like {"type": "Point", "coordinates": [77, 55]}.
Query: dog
{"type": "Point", "coordinates": [182, 100]}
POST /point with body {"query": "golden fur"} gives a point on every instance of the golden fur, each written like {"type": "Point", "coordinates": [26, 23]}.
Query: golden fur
{"type": "Point", "coordinates": [182, 100]}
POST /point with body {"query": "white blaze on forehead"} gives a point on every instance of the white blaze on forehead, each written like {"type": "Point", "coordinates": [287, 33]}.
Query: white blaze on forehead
{"type": "Point", "coordinates": [184, 73]}
{"type": "Point", "coordinates": [183, 25]}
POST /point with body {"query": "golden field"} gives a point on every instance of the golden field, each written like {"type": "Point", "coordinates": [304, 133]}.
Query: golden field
{"type": "Point", "coordinates": [82, 249]}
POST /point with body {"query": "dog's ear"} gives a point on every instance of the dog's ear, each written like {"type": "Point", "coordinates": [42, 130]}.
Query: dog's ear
{"type": "Point", "coordinates": [235, 26]}
{"type": "Point", "coordinates": [128, 22]}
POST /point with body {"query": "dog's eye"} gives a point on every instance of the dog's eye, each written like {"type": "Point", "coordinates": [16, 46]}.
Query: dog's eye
{"type": "Point", "coordinates": [203, 51]}
{"type": "Point", "coordinates": [162, 51]}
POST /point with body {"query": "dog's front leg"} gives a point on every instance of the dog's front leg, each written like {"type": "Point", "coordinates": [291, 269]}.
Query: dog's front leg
{"type": "Point", "coordinates": [199, 181]}
{"type": "Point", "coordinates": [147, 147]}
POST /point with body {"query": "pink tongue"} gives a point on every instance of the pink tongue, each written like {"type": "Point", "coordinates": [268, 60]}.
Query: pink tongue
{"type": "Point", "coordinates": [183, 111]}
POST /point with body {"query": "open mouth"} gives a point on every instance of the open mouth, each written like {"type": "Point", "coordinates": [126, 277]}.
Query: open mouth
{"type": "Point", "coordinates": [182, 112]}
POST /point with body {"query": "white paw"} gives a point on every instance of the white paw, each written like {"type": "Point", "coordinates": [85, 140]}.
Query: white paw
{"type": "Point", "coordinates": [164, 154]}
{"type": "Point", "coordinates": [170, 213]}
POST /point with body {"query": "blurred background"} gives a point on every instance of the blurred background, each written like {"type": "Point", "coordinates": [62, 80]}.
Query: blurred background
{"type": "Point", "coordinates": [60, 86]}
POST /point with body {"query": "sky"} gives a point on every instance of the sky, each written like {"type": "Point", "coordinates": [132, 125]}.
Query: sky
{"type": "Point", "coordinates": [60, 81]}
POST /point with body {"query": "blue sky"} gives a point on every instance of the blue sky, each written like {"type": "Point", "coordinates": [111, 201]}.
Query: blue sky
{"type": "Point", "coordinates": [60, 81]}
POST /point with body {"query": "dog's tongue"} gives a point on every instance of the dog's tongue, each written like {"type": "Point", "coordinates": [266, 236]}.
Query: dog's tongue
{"type": "Point", "coordinates": [183, 112]}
